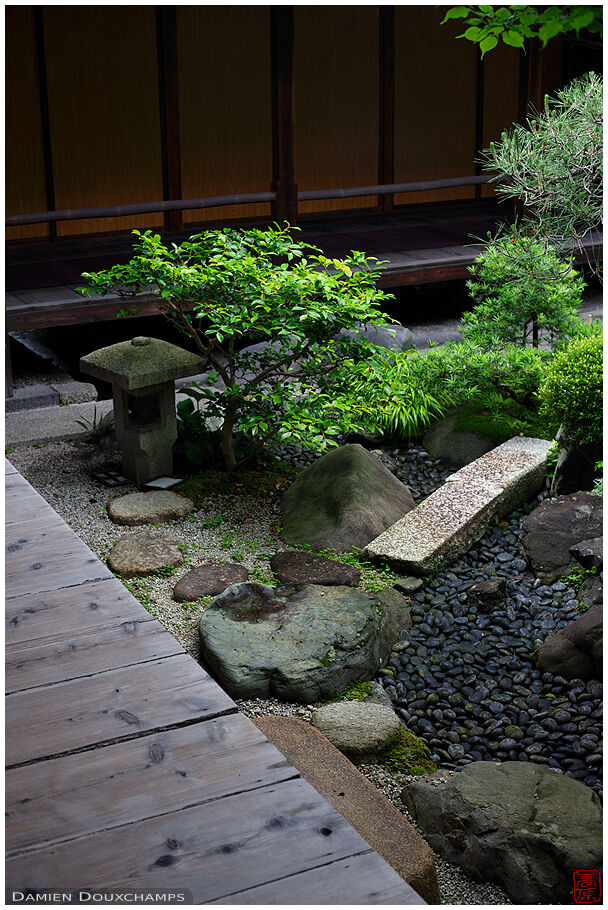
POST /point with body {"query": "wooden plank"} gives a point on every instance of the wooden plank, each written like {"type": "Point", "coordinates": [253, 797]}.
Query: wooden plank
{"type": "Point", "coordinates": [101, 708]}
{"type": "Point", "coordinates": [219, 848]}
{"type": "Point", "coordinates": [145, 777]}
{"type": "Point", "coordinates": [66, 657]}
{"type": "Point", "coordinates": [32, 619]}
{"type": "Point", "coordinates": [45, 558]}
{"type": "Point", "coordinates": [80, 312]}
{"type": "Point", "coordinates": [362, 879]}
{"type": "Point", "coordinates": [22, 508]}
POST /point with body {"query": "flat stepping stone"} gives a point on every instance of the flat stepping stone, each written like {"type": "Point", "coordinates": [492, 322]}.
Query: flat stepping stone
{"type": "Point", "coordinates": [144, 553]}
{"type": "Point", "coordinates": [145, 508]}
{"type": "Point", "coordinates": [210, 578]}
{"type": "Point", "coordinates": [450, 520]}
{"type": "Point", "coordinates": [356, 728]}
{"type": "Point", "coordinates": [306, 568]}
{"type": "Point", "coordinates": [370, 813]}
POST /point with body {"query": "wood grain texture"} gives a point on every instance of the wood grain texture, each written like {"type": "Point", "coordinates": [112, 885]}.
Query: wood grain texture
{"type": "Point", "coordinates": [337, 109]}
{"type": "Point", "coordinates": [148, 776]}
{"type": "Point", "coordinates": [360, 879]}
{"type": "Point", "coordinates": [500, 97]}
{"type": "Point", "coordinates": [25, 186]}
{"type": "Point", "coordinates": [224, 104]}
{"type": "Point", "coordinates": [219, 848]}
{"type": "Point", "coordinates": [120, 703]}
{"type": "Point", "coordinates": [104, 113]}
{"type": "Point", "coordinates": [435, 103]}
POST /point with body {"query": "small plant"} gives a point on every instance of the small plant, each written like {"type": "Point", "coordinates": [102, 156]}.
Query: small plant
{"type": "Point", "coordinates": [576, 576]}
{"type": "Point", "coordinates": [140, 588]}
{"type": "Point", "coordinates": [408, 753]}
{"type": "Point", "coordinates": [572, 391]}
{"type": "Point", "coordinates": [521, 288]}
{"type": "Point", "coordinates": [355, 691]}
{"type": "Point", "coordinates": [166, 571]}
{"type": "Point", "coordinates": [8, 451]}
{"type": "Point", "coordinates": [97, 429]}
{"type": "Point", "coordinates": [598, 486]}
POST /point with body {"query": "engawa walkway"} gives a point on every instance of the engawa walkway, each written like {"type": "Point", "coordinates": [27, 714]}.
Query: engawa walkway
{"type": "Point", "coordinates": [129, 769]}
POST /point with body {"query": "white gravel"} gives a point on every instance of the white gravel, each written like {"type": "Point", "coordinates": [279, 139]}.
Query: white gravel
{"type": "Point", "coordinates": [227, 528]}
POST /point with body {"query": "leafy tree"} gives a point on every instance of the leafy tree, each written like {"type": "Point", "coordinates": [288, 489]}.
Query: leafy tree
{"type": "Point", "coordinates": [521, 286]}
{"type": "Point", "coordinates": [553, 165]}
{"type": "Point", "coordinates": [227, 288]}
{"type": "Point", "coordinates": [572, 389]}
{"type": "Point", "coordinates": [487, 25]}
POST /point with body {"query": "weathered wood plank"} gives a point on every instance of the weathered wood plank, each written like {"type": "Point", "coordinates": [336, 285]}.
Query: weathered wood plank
{"type": "Point", "coordinates": [362, 879]}
{"type": "Point", "coordinates": [133, 700]}
{"type": "Point", "coordinates": [145, 777]}
{"type": "Point", "coordinates": [219, 848]}
{"type": "Point", "coordinates": [67, 657]}
{"type": "Point", "coordinates": [54, 615]}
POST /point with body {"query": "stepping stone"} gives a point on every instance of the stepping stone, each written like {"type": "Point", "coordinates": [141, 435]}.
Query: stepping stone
{"type": "Point", "coordinates": [306, 568]}
{"type": "Point", "coordinates": [146, 508]}
{"type": "Point", "coordinates": [144, 553]}
{"type": "Point", "coordinates": [356, 728]}
{"type": "Point", "coordinates": [450, 520]}
{"type": "Point", "coordinates": [210, 578]}
{"type": "Point", "coordinates": [370, 813]}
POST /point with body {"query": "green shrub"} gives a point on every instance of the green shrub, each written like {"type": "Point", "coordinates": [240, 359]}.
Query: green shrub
{"type": "Point", "coordinates": [572, 390]}
{"type": "Point", "coordinates": [521, 287]}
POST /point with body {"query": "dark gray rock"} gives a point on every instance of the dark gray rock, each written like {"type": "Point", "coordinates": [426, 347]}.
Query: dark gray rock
{"type": "Point", "coordinates": [144, 553]}
{"type": "Point", "coordinates": [575, 652]}
{"type": "Point", "coordinates": [343, 500]}
{"type": "Point", "coordinates": [307, 569]}
{"type": "Point", "coordinates": [298, 642]}
{"type": "Point", "coordinates": [590, 553]}
{"type": "Point", "coordinates": [459, 447]}
{"type": "Point", "coordinates": [210, 578]}
{"type": "Point", "coordinates": [488, 595]}
{"type": "Point", "coordinates": [515, 823]}
{"type": "Point", "coordinates": [591, 592]}
{"type": "Point", "coordinates": [575, 468]}
{"type": "Point", "coordinates": [557, 525]}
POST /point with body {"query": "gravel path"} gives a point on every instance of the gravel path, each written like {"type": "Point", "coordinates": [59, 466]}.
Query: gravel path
{"type": "Point", "coordinates": [457, 678]}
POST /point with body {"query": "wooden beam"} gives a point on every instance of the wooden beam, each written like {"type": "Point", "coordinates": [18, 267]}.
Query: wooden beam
{"type": "Point", "coordinates": [168, 98]}
{"type": "Point", "coordinates": [386, 137]}
{"type": "Point", "coordinates": [285, 207]}
{"type": "Point", "coordinates": [43, 96]}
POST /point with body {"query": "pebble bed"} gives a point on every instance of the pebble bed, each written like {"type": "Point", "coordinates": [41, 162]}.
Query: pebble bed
{"type": "Point", "coordinates": [465, 682]}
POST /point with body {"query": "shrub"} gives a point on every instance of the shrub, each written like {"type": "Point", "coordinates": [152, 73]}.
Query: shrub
{"type": "Point", "coordinates": [572, 390]}
{"type": "Point", "coordinates": [249, 286]}
{"type": "Point", "coordinates": [521, 287]}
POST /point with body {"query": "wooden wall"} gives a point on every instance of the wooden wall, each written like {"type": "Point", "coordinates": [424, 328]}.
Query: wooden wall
{"type": "Point", "coordinates": [336, 86]}
{"type": "Point", "coordinates": [25, 183]}
{"type": "Point", "coordinates": [224, 106]}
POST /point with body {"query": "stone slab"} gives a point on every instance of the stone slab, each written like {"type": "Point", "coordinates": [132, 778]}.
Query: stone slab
{"type": "Point", "coordinates": [55, 424]}
{"type": "Point", "coordinates": [73, 392]}
{"type": "Point", "coordinates": [36, 395]}
{"type": "Point", "coordinates": [384, 828]}
{"type": "Point", "coordinates": [450, 520]}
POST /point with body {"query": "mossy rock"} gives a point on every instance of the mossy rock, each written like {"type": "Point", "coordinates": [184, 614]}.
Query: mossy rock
{"type": "Point", "coordinates": [408, 753]}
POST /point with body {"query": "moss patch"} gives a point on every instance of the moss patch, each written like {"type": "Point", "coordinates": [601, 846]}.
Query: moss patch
{"type": "Point", "coordinates": [406, 752]}
{"type": "Point", "coordinates": [506, 419]}
{"type": "Point", "coordinates": [260, 481]}
{"type": "Point", "coordinates": [355, 691]}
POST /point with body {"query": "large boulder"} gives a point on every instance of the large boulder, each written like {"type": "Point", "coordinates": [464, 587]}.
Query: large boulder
{"type": "Point", "coordinates": [298, 642]}
{"type": "Point", "coordinates": [557, 525]}
{"type": "Point", "coordinates": [342, 501]}
{"type": "Point", "coordinates": [356, 728]}
{"type": "Point", "coordinates": [523, 826]}
{"type": "Point", "coordinates": [460, 447]}
{"type": "Point", "coordinates": [575, 652]}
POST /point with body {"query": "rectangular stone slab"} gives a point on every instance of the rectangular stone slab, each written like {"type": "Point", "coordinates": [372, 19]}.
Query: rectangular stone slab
{"type": "Point", "coordinates": [450, 520]}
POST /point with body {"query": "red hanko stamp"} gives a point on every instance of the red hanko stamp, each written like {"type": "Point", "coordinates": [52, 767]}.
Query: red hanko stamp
{"type": "Point", "coordinates": [587, 886]}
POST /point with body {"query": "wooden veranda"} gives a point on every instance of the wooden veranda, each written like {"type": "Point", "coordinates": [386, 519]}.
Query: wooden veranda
{"type": "Point", "coordinates": [129, 770]}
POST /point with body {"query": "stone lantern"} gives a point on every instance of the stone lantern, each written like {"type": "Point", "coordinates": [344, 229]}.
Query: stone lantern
{"type": "Point", "coordinates": [142, 373]}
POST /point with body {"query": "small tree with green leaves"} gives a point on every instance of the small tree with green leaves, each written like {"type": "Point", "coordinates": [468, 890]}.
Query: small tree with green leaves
{"type": "Point", "coordinates": [226, 288]}
{"type": "Point", "coordinates": [522, 288]}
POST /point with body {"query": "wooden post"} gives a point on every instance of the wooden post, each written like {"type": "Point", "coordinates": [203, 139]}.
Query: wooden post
{"type": "Point", "coordinates": [386, 138]}
{"type": "Point", "coordinates": [168, 98]}
{"type": "Point", "coordinates": [285, 207]}
{"type": "Point", "coordinates": [43, 97]}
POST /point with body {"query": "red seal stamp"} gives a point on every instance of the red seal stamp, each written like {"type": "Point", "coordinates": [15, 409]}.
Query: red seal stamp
{"type": "Point", "coordinates": [587, 886]}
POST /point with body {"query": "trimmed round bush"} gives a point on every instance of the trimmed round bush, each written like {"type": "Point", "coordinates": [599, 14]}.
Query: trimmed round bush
{"type": "Point", "coordinates": [572, 390]}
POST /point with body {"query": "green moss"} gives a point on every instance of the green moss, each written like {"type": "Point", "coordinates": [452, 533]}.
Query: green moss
{"type": "Point", "coordinates": [260, 481]}
{"type": "Point", "coordinates": [373, 578]}
{"type": "Point", "coordinates": [406, 752]}
{"type": "Point", "coordinates": [355, 691]}
{"type": "Point", "coordinates": [507, 418]}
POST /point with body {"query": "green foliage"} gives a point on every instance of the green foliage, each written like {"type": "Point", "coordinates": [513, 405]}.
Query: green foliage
{"type": "Point", "coordinates": [553, 164]}
{"type": "Point", "coordinates": [166, 571]}
{"type": "Point", "coordinates": [97, 429]}
{"type": "Point", "coordinates": [572, 391]}
{"type": "Point", "coordinates": [408, 753]}
{"type": "Point", "coordinates": [513, 24]}
{"type": "Point", "coordinates": [501, 418]}
{"type": "Point", "coordinates": [521, 287]}
{"type": "Point", "coordinates": [408, 391]}
{"type": "Point", "coordinates": [260, 285]}
{"type": "Point", "coordinates": [598, 486]}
